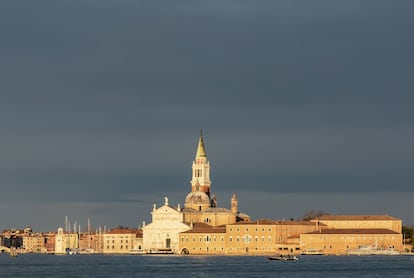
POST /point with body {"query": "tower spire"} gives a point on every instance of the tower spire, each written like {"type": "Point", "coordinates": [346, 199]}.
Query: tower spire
{"type": "Point", "coordinates": [201, 169]}
{"type": "Point", "coordinates": [201, 151]}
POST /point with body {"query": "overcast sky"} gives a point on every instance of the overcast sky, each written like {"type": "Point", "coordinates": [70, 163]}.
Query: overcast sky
{"type": "Point", "coordinates": [304, 105]}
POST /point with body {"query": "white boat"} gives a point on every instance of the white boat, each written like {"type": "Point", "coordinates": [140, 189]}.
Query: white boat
{"type": "Point", "coordinates": [283, 258]}
{"type": "Point", "coordinates": [312, 252]}
{"type": "Point", "coordinates": [136, 252]}
{"type": "Point", "coordinates": [372, 250]}
{"type": "Point", "coordinates": [87, 251]}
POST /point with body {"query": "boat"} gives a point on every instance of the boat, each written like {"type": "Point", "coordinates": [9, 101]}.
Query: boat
{"type": "Point", "coordinates": [166, 251]}
{"type": "Point", "coordinates": [312, 252]}
{"type": "Point", "coordinates": [13, 252]}
{"type": "Point", "coordinates": [283, 258]}
{"type": "Point", "coordinates": [87, 251]}
{"type": "Point", "coordinates": [372, 250]}
{"type": "Point", "coordinates": [136, 252]}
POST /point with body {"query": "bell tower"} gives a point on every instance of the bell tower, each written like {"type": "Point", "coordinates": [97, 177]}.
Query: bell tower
{"type": "Point", "coordinates": [200, 181]}
{"type": "Point", "coordinates": [234, 204]}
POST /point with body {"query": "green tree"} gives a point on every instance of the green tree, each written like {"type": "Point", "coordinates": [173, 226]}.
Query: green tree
{"type": "Point", "coordinates": [309, 215]}
{"type": "Point", "coordinates": [408, 233]}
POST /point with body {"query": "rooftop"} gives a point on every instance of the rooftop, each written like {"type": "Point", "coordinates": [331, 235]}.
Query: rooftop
{"type": "Point", "coordinates": [277, 222]}
{"type": "Point", "coordinates": [205, 228]}
{"type": "Point", "coordinates": [124, 231]}
{"type": "Point", "coordinates": [355, 217]}
{"type": "Point", "coordinates": [353, 231]}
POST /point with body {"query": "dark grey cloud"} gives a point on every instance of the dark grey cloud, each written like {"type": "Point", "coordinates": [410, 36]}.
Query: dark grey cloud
{"type": "Point", "coordinates": [101, 101]}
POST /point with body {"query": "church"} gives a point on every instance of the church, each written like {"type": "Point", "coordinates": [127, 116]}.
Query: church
{"type": "Point", "coordinates": [200, 206]}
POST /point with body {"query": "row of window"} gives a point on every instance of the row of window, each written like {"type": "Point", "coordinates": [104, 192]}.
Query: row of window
{"type": "Point", "coordinates": [245, 239]}
{"type": "Point", "coordinates": [113, 247]}
{"type": "Point", "coordinates": [206, 238]}
{"type": "Point", "coordinates": [248, 238]}
{"type": "Point", "coordinates": [247, 229]}
{"type": "Point", "coordinates": [113, 241]}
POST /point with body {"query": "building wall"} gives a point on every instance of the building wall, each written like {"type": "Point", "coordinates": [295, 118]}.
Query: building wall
{"type": "Point", "coordinates": [202, 243]}
{"type": "Point", "coordinates": [64, 241]}
{"type": "Point", "coordinates": [33, 243]}
{"type": "Point", "coordinates": [266, 237]}
{"type": "Point", "coordinates": [391, 224]}
{"type": "Point", "coordinates": [120, 241]}
{"type": "Point", "coordinates": [210, 218]}
{"type": "Point", "coordinates": [219, 218]}
{"type": "Point", "coordinates": [339, 244]}
{"type": "Point", "coordinates": [162, 232]}
{"type": "Point", "coordinates": [89, 242]}
{"type": "Point", "coordinates": [50, 242]}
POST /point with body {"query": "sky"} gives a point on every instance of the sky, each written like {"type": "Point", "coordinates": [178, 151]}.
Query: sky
{"type": "Point", "coordinates": [304, 105]}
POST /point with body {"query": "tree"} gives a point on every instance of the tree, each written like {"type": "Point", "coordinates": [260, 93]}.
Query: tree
{"type": "Point", "coordinates": [309, 215]}
{"type": "Point", "coordinates": [408, 233]}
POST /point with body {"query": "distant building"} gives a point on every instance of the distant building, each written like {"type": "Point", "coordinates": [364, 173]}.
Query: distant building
{"type": "Point", "coordinates": [350, 232]}
{"type": "Point", "coordinates": [361, 222]}
{"type": "Point", "coordinates": [33, 243]}
{"type": "Point", "coordinates": [121, 241]}
{"type": "Point", "coordinates": [161, 235]}
{"type": "Point", "coordinates": [50, 242]}
{"type": "Point", "coordinates": [200, 206]}
{"type": "Point", "coordinates": [65, 241]}
{"type": "Point", "coordinates": [203, 239]}
{"type": "Point", "coordinates": [245, 238]}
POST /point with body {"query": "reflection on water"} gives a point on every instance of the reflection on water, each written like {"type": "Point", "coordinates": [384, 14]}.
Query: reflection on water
{"type": "Point", "coordinates": [204, 266]}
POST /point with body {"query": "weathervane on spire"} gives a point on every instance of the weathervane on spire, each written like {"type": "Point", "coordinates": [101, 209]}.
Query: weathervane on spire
{"type": "Point", "coordinates": [201, 133]}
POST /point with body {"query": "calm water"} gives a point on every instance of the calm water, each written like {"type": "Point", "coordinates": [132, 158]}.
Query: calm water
{"type": "Point", "coordinates": [203, 266]}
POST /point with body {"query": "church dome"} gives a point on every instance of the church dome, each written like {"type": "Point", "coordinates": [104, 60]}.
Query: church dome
{"type": "Point", "coordinates": [197, 198]}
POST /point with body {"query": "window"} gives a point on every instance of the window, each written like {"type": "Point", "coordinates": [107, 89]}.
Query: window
{"type": "Point", "coordinates": [247, 239]}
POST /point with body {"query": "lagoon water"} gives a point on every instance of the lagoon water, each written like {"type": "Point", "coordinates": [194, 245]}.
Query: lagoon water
{"type": "Point", "coordinates": [204, 266]}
